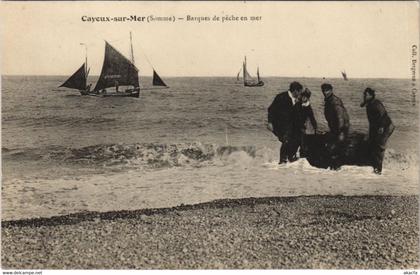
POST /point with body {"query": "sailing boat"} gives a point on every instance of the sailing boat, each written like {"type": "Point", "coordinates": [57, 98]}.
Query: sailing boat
{"type": "Point", "coordinates": [248, 80]}
{"type": "Point", "coordinates": [79, 78]}
{"type": "Point", "coordinates": [343, 73]}
{"type": "Point", "coordinates": [118, 71]}
{"type": "Point", "coordinates": [157, 81]}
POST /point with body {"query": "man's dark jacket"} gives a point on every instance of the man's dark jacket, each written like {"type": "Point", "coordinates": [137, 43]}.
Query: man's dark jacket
{"type": "Point", "coordinates": [377, 116]}
{"type": "Point", "coordinates": [336, 115]}
{"type": "Point", "coordinates": [281, 114]}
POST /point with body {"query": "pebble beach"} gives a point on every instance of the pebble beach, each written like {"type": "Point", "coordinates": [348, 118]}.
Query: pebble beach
{"type": "Point", "coordinates": [316, 232]}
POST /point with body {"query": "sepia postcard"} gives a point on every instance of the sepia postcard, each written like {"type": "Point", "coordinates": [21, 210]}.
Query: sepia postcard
{"type": "Point", "coordinates": [209, 135]}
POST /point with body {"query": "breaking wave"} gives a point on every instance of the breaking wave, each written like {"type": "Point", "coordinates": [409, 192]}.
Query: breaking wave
{"type": "Point", "coordinates": [144, 154]}
{"type": "Point", "coordinates": [152, 155]}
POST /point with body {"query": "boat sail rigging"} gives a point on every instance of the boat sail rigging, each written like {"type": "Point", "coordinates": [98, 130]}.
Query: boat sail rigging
{"type": "Point", "coordinates": [131, 49]}
{"type": "Point", "coordinates": [118, 71]}
{"type": "Point", "coordinates": [258, 74]}
{"type": "Point", "coordinates": [78, 80]}
{"type": "Point", "coordinates": [248, 80]}
{"type": "Point", "coordinates": [237, 76]}
{"type": "Point", "coordinates": [157, 81]}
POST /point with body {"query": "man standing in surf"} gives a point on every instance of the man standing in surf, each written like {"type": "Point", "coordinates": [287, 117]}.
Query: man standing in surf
{"type": "Point", "coordinates": [338, 123]}
{"type": "Point", "coordinates": [282, 115]}
{"type": "Point", "coordinates": [380, 128]}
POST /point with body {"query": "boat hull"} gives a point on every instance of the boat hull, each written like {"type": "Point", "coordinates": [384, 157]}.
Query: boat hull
{"type": "Point", "coordinates": [127, 93]}
{"type": "Point", "coordinates": [124, 94]}
{"type": "Point", "coordinates": [355, 150]}
{"type": "Point", "coordinates": [258, 84]}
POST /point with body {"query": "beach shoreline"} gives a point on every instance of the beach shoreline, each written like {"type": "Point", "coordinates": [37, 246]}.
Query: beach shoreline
{"type": "Point", "coordinates": [326, 232]}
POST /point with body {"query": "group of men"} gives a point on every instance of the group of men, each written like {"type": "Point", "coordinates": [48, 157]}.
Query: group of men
{"type": "Point", "coordinates": [290, 110]}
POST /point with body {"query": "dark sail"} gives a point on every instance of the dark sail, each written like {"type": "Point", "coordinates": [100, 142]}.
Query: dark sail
{"type": "Point", "coordinates": [237, 76]}
{"type": "Point", "coordinates": [344, 75]}
{"type": "Point", "coordinates": [157, 81]}
{"type": "Point", "coordinates": [77, 80]}
{"type": "Point", "coordinates": [117, 70]}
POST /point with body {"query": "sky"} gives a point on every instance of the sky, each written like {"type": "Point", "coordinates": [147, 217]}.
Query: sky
{"type": "Point", "coordinates": [298, 39]}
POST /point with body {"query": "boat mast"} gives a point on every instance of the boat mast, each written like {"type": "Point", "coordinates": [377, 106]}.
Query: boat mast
{"type": "Point", "coordinates": [131, 49]}
{"type": "Point", "coordinates": [86, 64]}
{"type": "Point", "coordinates": [244, 70]}
{"type": "Point", "coordinates": [258, 74]}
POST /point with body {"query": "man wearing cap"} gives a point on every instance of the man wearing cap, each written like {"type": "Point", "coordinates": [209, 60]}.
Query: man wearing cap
{"type": "Point", "coordinates": [380, 128]}
{"type": "Point", "coordinates": [338, 123]}
{"type": "Point", "coordinates": [282, 119]}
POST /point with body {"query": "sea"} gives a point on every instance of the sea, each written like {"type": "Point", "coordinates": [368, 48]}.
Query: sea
{"type": "Point", "coordinates": [202, 139]}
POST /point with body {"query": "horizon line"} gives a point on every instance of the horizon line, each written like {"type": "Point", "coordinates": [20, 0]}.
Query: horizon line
{"type": "Point", "coordinates": [268, 76]}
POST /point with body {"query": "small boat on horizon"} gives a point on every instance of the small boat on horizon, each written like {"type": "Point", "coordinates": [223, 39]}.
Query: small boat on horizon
{"type": "Point", "coordinates": [248, 79]}
{"type": "Point", "coordinates": [343, 73]}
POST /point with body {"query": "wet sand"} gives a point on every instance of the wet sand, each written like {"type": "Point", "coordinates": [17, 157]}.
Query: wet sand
{"type": "Point", "coordinates": [234, 177]}
{"type": "Point", "coordinates": [340, 232]}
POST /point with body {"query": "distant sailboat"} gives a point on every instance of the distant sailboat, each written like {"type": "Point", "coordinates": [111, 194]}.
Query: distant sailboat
{"type": "Point", "coordinates": [118, 71]}
{"type": "Point", "coordinates": [78, 80]}
{"type": "Point", "coordinates": [157, 81]}
{"type": "Point", "coordinates": [238, 78]}
{"type": "Point", "coordinates": [343, 73]}
{"type": "Point", "coordinates": [248, 80]}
